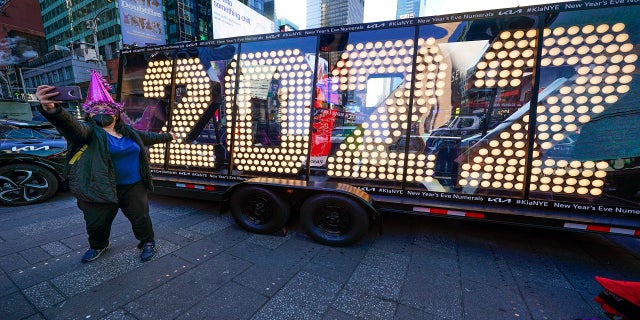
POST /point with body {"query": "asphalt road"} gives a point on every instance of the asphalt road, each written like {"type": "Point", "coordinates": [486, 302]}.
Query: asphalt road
{"type": "Point", "coordinates": [208, 268]}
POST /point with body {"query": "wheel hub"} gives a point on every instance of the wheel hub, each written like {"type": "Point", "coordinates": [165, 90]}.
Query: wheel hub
{"type": "Point", "coordinates": [22, 185]}
{"type": "Point", "coordinates": [334, 220]}
{"type": "Point", "coordinates": [258, 211]}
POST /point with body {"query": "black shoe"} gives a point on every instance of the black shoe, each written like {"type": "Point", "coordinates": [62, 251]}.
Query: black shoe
{"type": "Point", "coordinates": [93, 254]}
{"type": "Point", "coordinates": [148, 251]}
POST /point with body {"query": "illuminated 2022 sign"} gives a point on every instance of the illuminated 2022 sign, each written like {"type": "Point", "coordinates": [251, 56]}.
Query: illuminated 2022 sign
{"type": "Point", "coordinates": [600, 55]}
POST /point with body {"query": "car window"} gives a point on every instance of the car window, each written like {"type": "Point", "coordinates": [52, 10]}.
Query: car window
{"type": "Point", "coordinates": [50, 133]}
{"type": "Point", "coordinates": [466, 123]}
{"type": "Point", "coordinates": [23, 133]}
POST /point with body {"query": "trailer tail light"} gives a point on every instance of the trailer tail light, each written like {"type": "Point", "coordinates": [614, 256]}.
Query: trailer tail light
{"type": "Point", "coordinates": [601, 228]}
{"type": "Point", "coordinates": [439, 211]}
{"type": "Point", "coordinates": [195, 186]}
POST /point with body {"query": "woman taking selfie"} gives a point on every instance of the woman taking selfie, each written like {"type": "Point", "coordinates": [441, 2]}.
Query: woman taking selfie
{"type": "Point", "coordinates": [108, 168]}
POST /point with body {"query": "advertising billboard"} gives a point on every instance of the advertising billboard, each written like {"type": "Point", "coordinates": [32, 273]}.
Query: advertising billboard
{"type": "Point", "coordinates": [232, 19]}
{"type": "Point", "coordinates": [142, 22]}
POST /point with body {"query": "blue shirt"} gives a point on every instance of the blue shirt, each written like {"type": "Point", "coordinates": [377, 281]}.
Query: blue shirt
{"type": "Point", "coordinates": [125, 155]}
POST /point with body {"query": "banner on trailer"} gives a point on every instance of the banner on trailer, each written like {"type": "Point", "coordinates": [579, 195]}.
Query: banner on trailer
{"type": "Point", "coordinates": [233, 19]}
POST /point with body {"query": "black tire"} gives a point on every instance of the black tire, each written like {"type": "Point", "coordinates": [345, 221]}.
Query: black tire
{"type": "Point", "coordinates": [334, 220]}
{"type": "Point", "coordinates": [259, 210]}
{"type": "Point", "coordinates": [22, 184]}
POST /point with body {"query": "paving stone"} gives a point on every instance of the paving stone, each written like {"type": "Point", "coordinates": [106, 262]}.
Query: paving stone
{"type": "Point", "coordinates": [36, 316]}
{"type": "Point", "coordinates": [34, 255]}
{"type": "Point", "coordinates": [483, 264]}
{"type": "Point", "coordinates": [265, 279]}
{"type": "Point", "coordinates": [231, 301]}
{"type": "Point", "coordinates": [212, 225]}
{"type": "Point", "coordinates": [268, 240]}
{"type": "Point", "coordinates": [294, 253]}
{"type": "Point", "coordinates": [199, 282]}
{"type": "Point", "coordinates": [338, 273]}
{"type": "Point", "coordinates": [437, 291]}
{"type": "Point", "coordinates": [15, 306]}
{"type": "Point", "coordinates": [206, 248]}
{"type": "Point", "coordinates": [405, 312]}
{"type": "Point", "coordinates": [362, 305]}
{"type": "Point", "coordinates": [12, 262]}
{"type": "Point", "coordinates": [547, 301]}
{"type": "Point", "coordinates": [437, 240]}
{"type": "Point", "coordinates": [172, 210]}
{"type": "Point", "coordinates": [483, 301]}
{"type": "Point", "coordinates": [108, 266]}
{"type": "Point", "coordinates": [77, 242]}
{"type": "Point", "coordinates": [174, 238]}
{"type": "Point", "coordinates": [46, 270]}
{"type": "Point", "coordinates": [118, 315]}
{"type": "Point", "coordinates": [43, 295]}
{"type": "Point", "coordinates": [49, 225]}
{"type": "Point", "coordinates": [112, 295]}
{"type": "Point", "coordinates": [390, 262]}
{"type": "Point", "coordinates": [380, 274]}
{"type": "Point", "coordinates": [250, 251]}
{"type": "Point", "coordinates": [309, 294]}
{"type": "Point", "coordinates": [528, 267]}
{"type": "Point", "coordinates": [6, 285]}
{"type": "Point", "coordinates": [55, 248]}
{"type": "Point", "coordinates": [333, 314]}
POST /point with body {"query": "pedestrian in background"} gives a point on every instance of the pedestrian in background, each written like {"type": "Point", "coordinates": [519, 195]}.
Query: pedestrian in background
{"type": "Point", "coordinates": [108, 167]}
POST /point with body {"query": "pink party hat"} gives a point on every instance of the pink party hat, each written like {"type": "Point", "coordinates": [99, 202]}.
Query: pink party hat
{"type": "Point", "coordinates": [98, 94]}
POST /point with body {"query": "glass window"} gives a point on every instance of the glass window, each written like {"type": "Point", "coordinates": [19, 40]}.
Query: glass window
{"type": "Point", "coordinates": [586, 122]}
{"type": "Point", "coordinates": [20, 133]}
{"type": "Point", "coordinates": [470, 85]}
{"type": "Point", "coordinates": [274, 98]}
{"type": "Point", "coordinates": [362, 106]}
{"type": "Point", "coordinates": [201, 78]}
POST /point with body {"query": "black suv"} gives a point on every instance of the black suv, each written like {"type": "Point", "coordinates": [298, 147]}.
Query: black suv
{"type": "Point", "coordinates": [32, 158]}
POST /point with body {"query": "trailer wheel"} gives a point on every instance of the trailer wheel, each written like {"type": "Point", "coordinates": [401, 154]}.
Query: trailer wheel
{"type": "Point", "coordinates": [259, 210]}
{"type": "Point", "coordinates": [334, 220]}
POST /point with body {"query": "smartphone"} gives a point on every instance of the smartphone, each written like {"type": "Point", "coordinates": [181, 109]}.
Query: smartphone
{"type": "Point", "coordinates": [68, 93]}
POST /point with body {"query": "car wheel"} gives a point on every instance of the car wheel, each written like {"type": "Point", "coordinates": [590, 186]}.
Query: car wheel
{"type": "Point", "coordinates": [22, 184]}
{"type": "Point", "coordinates": [334, 220]}
{"type": "Point", "coordinates": [259, 210]}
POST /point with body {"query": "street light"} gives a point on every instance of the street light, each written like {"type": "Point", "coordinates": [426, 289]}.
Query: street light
{"type": "Point", "coordinates": [93, 25]}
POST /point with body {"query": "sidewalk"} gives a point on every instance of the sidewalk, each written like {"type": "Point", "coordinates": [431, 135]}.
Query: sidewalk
{"type": "Point", "coordinates": [208, 268]}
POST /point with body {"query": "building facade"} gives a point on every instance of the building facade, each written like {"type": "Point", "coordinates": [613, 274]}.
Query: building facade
{"type": "Point", "coordinates": [187, 20]}
{"type": "Point", "coordinates": [410, 8]}
{"type": "Point", "coordinates": [21, 38]}
{"type": "Point", "coordinates": [69, 23]}
{"type": "Point", "coordinates": [325, 13]}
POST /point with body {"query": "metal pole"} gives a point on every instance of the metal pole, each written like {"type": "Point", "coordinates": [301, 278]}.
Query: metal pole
{"type": "Point", "coordinates": [94, 23]}
{"type": "Point", "coordinates": [6, 79]}
{"type": "Point", "coordinates": [24, 89]}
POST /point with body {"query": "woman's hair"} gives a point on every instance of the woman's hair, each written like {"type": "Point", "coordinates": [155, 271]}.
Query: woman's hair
{"type": "Point", "coordinates": [119, 123]}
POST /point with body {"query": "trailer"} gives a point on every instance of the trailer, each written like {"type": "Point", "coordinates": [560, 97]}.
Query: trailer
{"type": "Point", "coordinates": [524, 115]}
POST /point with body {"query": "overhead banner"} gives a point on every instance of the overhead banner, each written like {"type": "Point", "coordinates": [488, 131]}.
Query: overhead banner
{"type": "Point", "coordinates": [142, 22]}
{"type": "Point", "coordinates": [233, 19]}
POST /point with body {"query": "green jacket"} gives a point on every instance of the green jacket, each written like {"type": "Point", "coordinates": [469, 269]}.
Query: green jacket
{"type": "Point", "coordinates": [92, 175]}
